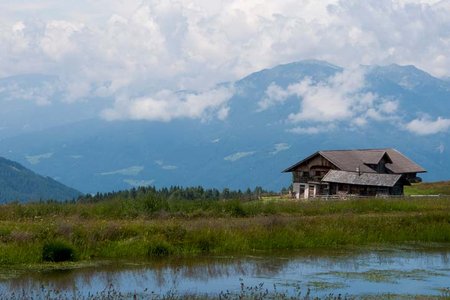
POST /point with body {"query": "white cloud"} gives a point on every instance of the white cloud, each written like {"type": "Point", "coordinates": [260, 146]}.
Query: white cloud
{"type": "Point", "coordinates": [274, 95]}
{"type": "Point", "coordinates": [131, 50]}
{"type": "Point", "coordinates": [57, 38]}
{"type": "Point", "coordinates": [340, 98]}
{"type": "Point", "coordinates": [38, 90]}
{"type": "Point", "coordinates": [167, 105]}
{"type": "Point", "coordinates": [130, 171]}
{"type": "Point", "coordinates": [195, 44]}
{"type": "Point", "coordinates": [312, 129]}
{"type": "Point", "coordinates": [163, 166]}
{"type": "Point", "coordinates": [280, 147]}
{"type": "Point", "coordinates": [426, 126]}
{"type": "Point", "coordinates": [238, 155]}
{"type": "Point", "coordinates": [383, 110]}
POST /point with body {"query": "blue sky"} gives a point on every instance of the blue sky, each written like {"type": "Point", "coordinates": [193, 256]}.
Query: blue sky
{"type": "Point", "coordinates": [138, 53]}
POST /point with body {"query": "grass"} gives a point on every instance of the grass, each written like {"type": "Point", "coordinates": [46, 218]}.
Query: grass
{"type": "Point", "coordinates": [429, 188]}
{"type": "Point", "coordinates": [135, 229]}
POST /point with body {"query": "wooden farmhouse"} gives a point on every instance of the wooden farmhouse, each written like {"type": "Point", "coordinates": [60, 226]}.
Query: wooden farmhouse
{"type": "Point", "coordinates": [369, 172]}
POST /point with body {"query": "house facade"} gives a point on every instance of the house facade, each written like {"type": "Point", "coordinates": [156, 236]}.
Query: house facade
{"type": "Point", "coordinates": [367, 172]}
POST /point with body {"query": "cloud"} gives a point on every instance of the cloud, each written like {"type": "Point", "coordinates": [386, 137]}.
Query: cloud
{"type": "Point", "coordinates": [38, 89]}
{"type": "Point", "coordinates": [274, 95]}
{"type": "Point", "coordinates": [238, 155]}
{"type": "Point", "coordinates": [342, 98]}
{"type": "Point", "coordinates": [35, 159]}
{"type": "Point", "coordinates": [167, 105]}
{"type": "Point", "coordinates": [57, 39]}
{"type": "Point", "coordinates": [312, 129]}
{"type": "Point", "coordinates": [426, 126]}
{"type": "Point", "coordinates": [164, 166]}
{"type": "Point", "coordinates": [131, 171]}
{"type": "Point", "coordinates": [280, 147]}
{"type": "Point", "coordinates": [134, 55]}
{"type": "Point", "coordinates": [338, 98]}
{"type": "Point", "coordinates": [117, 48]}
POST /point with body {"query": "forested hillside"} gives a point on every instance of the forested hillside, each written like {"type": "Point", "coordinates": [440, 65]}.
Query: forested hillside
{"type": "Point", "coordinates": [18, 183]}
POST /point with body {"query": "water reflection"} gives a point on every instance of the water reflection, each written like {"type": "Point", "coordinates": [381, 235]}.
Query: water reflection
{"type": "Point", "coordinates": [418, 271]}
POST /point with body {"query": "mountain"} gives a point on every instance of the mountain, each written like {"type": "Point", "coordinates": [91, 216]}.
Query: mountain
{"type": "Point", "coordinates": [19, 183]}
{"type": "Point", "coordinates": [276, 117]}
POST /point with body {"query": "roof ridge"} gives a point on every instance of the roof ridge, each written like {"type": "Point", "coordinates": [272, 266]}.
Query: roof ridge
{"type": "Point", "coordinates": [369, 173]}
{"type": "Point", "coordinates": [368, 149]}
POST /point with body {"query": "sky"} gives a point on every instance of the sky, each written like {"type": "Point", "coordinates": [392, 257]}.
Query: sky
{"type": "Point", "coordinates": [139, 53]}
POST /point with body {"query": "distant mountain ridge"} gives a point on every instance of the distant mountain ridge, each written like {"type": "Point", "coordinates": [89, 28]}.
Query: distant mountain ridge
{"type": "Point", "coordinates": [251, 146]}
{"type": "Point", "coordinates": [18, 183]}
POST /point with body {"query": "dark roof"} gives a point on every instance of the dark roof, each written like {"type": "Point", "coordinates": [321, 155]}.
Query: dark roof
{"type": "Point", "coordinates": [349, 160]}
{"type": "Point", "coordinates": [370, 179]}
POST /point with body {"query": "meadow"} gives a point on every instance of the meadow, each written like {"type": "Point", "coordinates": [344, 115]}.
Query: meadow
{"type": "Point", "coordinates": [148, 225]}
{"type": "Point", "coordinates": [429, 188]}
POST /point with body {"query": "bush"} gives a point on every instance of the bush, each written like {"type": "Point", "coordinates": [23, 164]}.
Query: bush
{"type": "Point", "coordinates": [159, 249]}
{"type": "Point", "coordinates": [58, 251]}
{"type": "Point", "coordinates": [206, 243]}
{"type": "Point", "coordinates": [235, 208]}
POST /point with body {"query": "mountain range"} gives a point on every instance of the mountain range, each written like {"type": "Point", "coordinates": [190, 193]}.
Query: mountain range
{"type": "Point", "coordinates": [274, 118]}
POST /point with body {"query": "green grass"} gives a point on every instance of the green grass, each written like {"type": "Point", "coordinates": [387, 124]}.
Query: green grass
{"type": "Point", "coordinates": [429, 188]}
{"type": "Point", "coordinates": [135, 229]}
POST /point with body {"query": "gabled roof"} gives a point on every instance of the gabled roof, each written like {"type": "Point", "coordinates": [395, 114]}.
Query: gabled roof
{"type": "Point", "coordinates": [350, 160]}
{"type": "Point", "coordinates": [370, 179]}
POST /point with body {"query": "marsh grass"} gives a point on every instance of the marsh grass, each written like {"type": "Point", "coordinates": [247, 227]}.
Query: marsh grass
{"type": "Point", "coordinates": [257, 292]}
{"type": "Point", "coordinates": [244, 292]}
{"type": "Point", "coordinates": [150, 227]}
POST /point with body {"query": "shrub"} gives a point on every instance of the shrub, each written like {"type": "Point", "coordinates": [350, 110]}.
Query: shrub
{"type": "Point", "coordinates": [235, 208]}
{"type": "Point", "coordinates": [58, 251]}
{"type": "Point", "coordinates": [206, 243]}
{"type": "Point", "coordinates": [159, 249]}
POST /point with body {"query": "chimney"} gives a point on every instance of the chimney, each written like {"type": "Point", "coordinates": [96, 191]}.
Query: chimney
{"type": "Point", "coordinates": [358, 171]}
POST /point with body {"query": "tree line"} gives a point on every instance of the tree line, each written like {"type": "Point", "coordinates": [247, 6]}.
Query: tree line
{"type": "Point", "coordinates": [179, 193]}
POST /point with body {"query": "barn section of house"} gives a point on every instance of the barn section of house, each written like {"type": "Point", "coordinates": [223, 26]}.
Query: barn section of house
{"type": "Point", "coordinates": [368, 172]}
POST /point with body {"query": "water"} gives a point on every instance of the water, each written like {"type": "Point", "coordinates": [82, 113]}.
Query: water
{"type": "Point", "coordinates": [405, 271]}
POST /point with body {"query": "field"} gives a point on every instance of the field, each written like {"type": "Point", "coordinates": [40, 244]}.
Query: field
{"type": "Point", "coordinates": [148, 226]}
{"type": "Point", "coordinates": [429, 188]}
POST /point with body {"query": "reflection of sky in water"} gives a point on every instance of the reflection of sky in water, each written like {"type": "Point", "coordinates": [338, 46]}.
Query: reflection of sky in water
{"type": "Point", "coordinates": [380, 271]}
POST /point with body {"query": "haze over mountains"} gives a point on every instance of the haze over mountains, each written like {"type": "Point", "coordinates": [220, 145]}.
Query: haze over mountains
{"type": "Point", "coordinates": [247, 133]}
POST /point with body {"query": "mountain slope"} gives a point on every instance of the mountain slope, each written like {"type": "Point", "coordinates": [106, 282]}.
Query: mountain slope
{"type": "Point", "coordinates": [253, 145]}
{"type": "Point", "coordinates": [19, 183]}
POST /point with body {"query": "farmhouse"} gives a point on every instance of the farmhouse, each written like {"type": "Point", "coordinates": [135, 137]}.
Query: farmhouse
{"type": "Point", "coordinates": [368, 172]}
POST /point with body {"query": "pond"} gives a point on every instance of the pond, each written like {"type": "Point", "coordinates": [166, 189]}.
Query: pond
{"type": "Point", "coordinates": [361, 273]}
